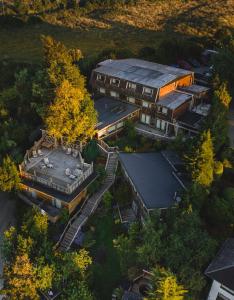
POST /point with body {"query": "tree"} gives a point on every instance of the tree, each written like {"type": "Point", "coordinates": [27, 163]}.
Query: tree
{"type": "Point", "coordinates": [59, 63]}
{"type": "Point", "coordinates": [165, 286]}
{"type": "Point", "coordinates": [217, 119]}
{"type": "Point", "coordinates": [20, 279]}
{"type": "Point", "coordinates": [187, 249]}
{"type": "Point", "coordinates": [202, 161]}
{"type": "Point", "coordinates": [9, 176]}
{"type": "Point", "coordinates": [71, 115]}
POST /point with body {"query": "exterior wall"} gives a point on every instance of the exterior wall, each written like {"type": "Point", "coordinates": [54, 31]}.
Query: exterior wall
{"type": "Point", "coordinates": [180, 110]}
{"type": "Point", "coordinates": [185, 81]}
{"type": "Point", "coordinates": [167, 89]}
{"type": "Point", "coordinates": [121, 88]}
{"type": "Point", "coordinates": [71, 206]}
{"type": "Point", "coordinates": [217, 290]}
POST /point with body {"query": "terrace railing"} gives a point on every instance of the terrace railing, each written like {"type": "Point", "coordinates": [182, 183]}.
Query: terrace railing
{"type": "Point", "coordinates": [65, 189]}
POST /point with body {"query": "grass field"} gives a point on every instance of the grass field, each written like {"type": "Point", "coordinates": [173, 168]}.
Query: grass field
{"type": "Point", "coordinates": [134, 27]}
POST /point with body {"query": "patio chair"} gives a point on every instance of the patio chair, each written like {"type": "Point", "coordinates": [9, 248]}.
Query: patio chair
{"type": "Point", "coordinates": [50, 166]}
{"type": "Point", "coordinates": [39, 152]}
{"type": "Point", "coordinates": [68, 172]}
{"type": "Point", "coordinates": [69, 150]}
{"type": "Point", "coordinates": [46, 160]}
{"type": "Point", "coordinates": [72, 176]}
{"type": "Point", "coordinates": [34, 153]}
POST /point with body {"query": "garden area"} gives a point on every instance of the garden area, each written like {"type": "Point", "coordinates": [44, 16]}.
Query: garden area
{"type": "Point", "coordinates": [100, 233]}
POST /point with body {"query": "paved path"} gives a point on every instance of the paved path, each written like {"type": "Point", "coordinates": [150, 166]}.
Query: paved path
{"type": "Point", "coordinates": [7, 210]}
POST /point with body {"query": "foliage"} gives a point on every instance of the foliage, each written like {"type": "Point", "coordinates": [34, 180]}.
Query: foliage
{"type": "Point", "coordinates": [9, 176]}
{"type": "Point", "coordinates": [71, 114]}
{"type": "Point", "coordinates": [201, 161]}
{"type": "Point", "coordinates": [91, 151]}
{"type": "Point", "coordinates": [217, 119]}
{"type": "Point", "coordinates": [20, 279]}
{"type": "Point", "coordinates": [107, 200]}
{"type": "Point", "coordinates": [165, 286]}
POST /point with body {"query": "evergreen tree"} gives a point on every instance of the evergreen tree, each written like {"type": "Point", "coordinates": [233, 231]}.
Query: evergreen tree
{"type": "Point", "coordinates": [217, 119]}
{"type": "Point", "coordinates": [165, 286]}
{"type": "Point", "coordinates": [202, 161]}
{"type": "Point", "coordinates": [9, 176]}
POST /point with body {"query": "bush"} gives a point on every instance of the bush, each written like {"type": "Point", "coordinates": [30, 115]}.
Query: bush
{"type": "Point", "coordinates": [91, 151]}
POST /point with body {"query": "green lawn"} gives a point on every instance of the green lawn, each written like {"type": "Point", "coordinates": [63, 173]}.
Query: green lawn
{"type": "Point", "coordinates": [106, 268]}
{"type": "Point", "coordinates": [24, 45]}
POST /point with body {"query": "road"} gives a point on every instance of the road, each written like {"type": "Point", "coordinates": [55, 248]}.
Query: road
{"type": "Point", "coordinates": [7, 218]}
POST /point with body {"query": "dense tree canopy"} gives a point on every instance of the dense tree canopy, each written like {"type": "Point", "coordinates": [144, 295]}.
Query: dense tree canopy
{"type": "Point", "coordinates": [9, 176]}
{"type": "Point", "coordinates": [202, 161]}
{"type": "Point", "coordinates": [165, 286]}
{"type": "Point", "coordinates": [71, 114]}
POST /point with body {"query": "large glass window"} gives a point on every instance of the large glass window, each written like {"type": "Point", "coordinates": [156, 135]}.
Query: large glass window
{"type": "Point", "coordinates": [114, 94]}
{"type": "Point", "coordinates": [131, 99]}
{"type": "Point", "coordinates": [102, 90]}
{"type": "Point", "coordinates": [145, 118]}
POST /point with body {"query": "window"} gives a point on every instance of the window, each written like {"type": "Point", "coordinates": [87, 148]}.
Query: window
{"type": "Point", "coordinates": [131, 99]}
{"type": "Point", "coordinates": [111, 129]}
{"type": "Point", "coordinates": [114, 94]}
{"type": "Point", "coordinates": [145, 104]}
{"type": "Point", "coordinates": [100, 77]}
{"type": "Point", "coordinates": [115, 81]}
{"type": "Point", "coordinates": [147, 91]}
{"type": "Point", "coordinates": [159, 109]}
{"type": "Point", "coordinates": [145, 118]}
{"type": "Point", "coordinates": [102, 90]}
{"type": "Point", "coordinates": [131, 85]}
{"type": "Point", "coordinates": [119, 125]}
{"type": "Point", "coordinates": [164, 110]}
{"type": "Point", "coordinates": [161, 124]}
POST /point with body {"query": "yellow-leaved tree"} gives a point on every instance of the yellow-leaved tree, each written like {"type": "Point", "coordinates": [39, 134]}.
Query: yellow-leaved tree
{"type": "Point", "coordinates": [71, 115]}
{"type": "Point", "coordinates": [165, 286]}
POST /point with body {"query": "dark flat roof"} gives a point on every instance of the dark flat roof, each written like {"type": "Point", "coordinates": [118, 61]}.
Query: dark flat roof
{"type": "Point", "coordinates": [111, 110]}
{"type": "Point", "coordinates": [59, 195]}
{"type": "Point", "coordinates": [190, 118]}
{"type": "Point", "coordinates": [152, 177]}
{"type": "Point", "coordinates": [194, 89]}
{"type": "Point", "coordinates": [221, 268]}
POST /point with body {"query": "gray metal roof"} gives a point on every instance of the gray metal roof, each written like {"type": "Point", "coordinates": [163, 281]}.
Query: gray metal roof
{"type": "Point", "coordinates": [111, 110]}
{"type": "Point", "coordinates": [152, 177]}
{"type": "Point", "coordinates": [221, 268]}
{"type": "Point", "coordinates": [140, 71]}
{"type": "Point", "coordinates": [174, 99]}
{"type": "Point", "coordinates": [194, 89]}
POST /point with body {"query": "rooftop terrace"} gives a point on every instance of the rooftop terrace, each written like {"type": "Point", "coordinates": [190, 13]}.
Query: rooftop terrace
{"type": "Point", "coordinates": [61, 168]}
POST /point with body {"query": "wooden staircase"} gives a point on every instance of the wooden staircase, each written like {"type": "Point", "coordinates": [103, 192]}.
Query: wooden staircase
{"type": "Point", "coordinates": [90, 205]}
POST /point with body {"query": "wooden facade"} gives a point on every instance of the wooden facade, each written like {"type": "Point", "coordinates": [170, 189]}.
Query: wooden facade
{"type": "Point", "coordinates": [152, 109]}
